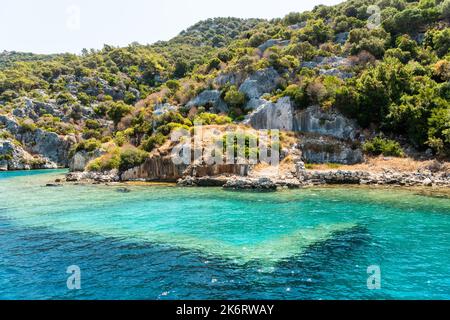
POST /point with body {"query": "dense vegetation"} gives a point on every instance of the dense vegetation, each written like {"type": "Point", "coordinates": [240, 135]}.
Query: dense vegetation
{"type": "Point", "coordinates": [399, 84]}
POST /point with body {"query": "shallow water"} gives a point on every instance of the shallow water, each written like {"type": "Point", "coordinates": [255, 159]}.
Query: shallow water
{"type": "Point", "coordinates": [166, 242]}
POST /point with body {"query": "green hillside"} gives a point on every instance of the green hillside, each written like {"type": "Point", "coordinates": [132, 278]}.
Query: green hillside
{"type": "Point", "coordinates": [393, 78]}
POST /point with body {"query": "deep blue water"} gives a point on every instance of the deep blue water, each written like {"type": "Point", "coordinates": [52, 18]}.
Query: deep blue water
{"type": "Point", "coordinates": [174, 243]}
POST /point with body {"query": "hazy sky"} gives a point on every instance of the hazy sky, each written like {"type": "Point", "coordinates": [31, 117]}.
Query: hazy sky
{"type": "Point", "coordinates": [54, 26]}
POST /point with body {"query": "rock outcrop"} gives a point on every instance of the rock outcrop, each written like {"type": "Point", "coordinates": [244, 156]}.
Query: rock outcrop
{"type": "Point", "coordinates": [261, 82]}
{"type": "Point", "coordinates": [95, 177]}
{"type": "Point", "coordinates": [269, 115]}
{"type": "Point", "coordinates": [330, 123]}
{"type": "Point", "coordinates": [390, 178]}
{"type": "Point", "coordinates": [14, 157]}
{"type": "Point", "coordinates": [272, 43]}
{"type": "Point", "coordinates": [323, 149]}
{"type": "Point", "coordinates": [156, 168]}
{"type": "Point", "coordinates": [162, 109]}
{"type": "Point", "coordinates": [210, 99]}
{"type": "Point", "coordinates": [81, 159]}
{"type": "Point", "coordinates": [40, 142]}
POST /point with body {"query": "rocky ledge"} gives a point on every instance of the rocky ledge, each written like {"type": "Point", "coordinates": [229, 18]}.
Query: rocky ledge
{"type": "Point", "coordinates": [410, 179]}
{"type": "Point", "coordinates": [93, 177]}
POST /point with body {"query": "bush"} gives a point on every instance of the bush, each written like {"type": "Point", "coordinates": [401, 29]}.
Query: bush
{"type": "Point", "coordinates": [28, 125]}
{"type": "Point", "coordinates": [234, 98]}
{"type": "Point", "coordinates": [154, 141]}
{"type": "Point", "coordinates": [106, 162]}
{"type": "Point", "coordinates": [211, 118]}
{"type": "Point", "coordinates": [379, 146]}
{"type": "Point", "coordinates": [131, 158]}
{"type": "Point", "coordinates": [117, 110]}
{"type": "Point", "coordinates": [88, 145]}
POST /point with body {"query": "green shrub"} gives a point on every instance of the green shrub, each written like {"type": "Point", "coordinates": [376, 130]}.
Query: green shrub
{"type": "Point", "coordinates": [88, 145]}
{"type": "Point", "coordinates": [28, 125]}
{"type": "Point", "coordinates": [234, 98]}
{"type": "Point", "coordinates": [107, 162]}
{"type": "Point", "coordinates": [154, 141]}
{"type": "Point", "coordinates": [131, 158]}
{"type": "Point", "coordinates": [211, 118]}
{"type": "Point", "coordinates": [379, 146]}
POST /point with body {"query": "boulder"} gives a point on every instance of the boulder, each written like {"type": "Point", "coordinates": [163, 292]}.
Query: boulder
{"type": "Point", "coordinates": [211, 99]}
{"type": "Point", "coordinates": [261, 82]}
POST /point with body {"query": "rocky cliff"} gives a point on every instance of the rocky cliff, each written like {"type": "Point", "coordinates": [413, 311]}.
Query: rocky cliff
{"type": "Point", "coordinates": [40, 143]}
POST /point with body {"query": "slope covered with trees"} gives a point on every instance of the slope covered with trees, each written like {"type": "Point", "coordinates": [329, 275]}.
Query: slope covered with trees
{"type": "Point", "coordinates": [393, 77]}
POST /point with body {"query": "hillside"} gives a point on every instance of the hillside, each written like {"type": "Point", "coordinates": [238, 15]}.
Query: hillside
{"type": "Point", "coordinates": [8, 58]}
{"type": "Point", "coordinates": [388, 83]}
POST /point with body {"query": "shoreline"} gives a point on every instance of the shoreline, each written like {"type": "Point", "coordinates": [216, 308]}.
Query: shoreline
{"type": "Point", "coordinates": [311, 179]}
{"type": "Point", "coordinates": [423, 183]}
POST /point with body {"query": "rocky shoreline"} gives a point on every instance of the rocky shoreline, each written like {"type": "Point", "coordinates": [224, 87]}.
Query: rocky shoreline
{"type": "Point", "coordinates": [304, 178]}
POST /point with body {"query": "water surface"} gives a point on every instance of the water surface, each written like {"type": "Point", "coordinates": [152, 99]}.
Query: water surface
{"type": "Point", "coordinates": [165, 242]}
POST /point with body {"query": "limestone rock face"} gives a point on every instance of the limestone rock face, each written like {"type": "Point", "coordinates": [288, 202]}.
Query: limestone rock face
{"type": "Point", "coordinates": [270, 115]}
{"type": "Point", "coordinates": [254, 104]}
{"type": "Point", "coordinates": [331, 123]}
{"type": "Point", "coordinates": [81, 159]}
{"type": "Point", "coordinates": [328, 150]}
{"type": "Point", "coordinates": [226, 78]}
{"type": "Point", "coordinates": [261, 82]}
{"type": "Point", "coordinates": [156, 168]}
{"type": "Point", "coordinates": [14, 157]}
{"type": "Point", "coordinates": [209, 98]}
{"type": "Point", "coordinates": [35, 109]}
{"type": "Point", "coordinates": [46, 144]}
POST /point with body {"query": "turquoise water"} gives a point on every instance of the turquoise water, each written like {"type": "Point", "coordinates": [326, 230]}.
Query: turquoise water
{"type": "Point", "coordinates": [174, 243]}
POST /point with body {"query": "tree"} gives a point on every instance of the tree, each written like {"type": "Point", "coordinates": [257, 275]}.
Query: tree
{"type": "Point", "coordinates": [117, 110]}
{"type": "Point", "coordinates": [234, 98]}
{"type": "Point", "coordinates": [441, 42]}
{"type": "Point", "coordinates": [445, 7]}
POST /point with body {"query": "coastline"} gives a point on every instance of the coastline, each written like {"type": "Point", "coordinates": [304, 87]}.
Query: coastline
{"type": "Point", "coordinates": [240, 183]}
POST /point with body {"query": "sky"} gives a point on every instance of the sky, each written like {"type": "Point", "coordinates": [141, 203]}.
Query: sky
{"type": "Point", "coordinates": [57, 26]}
